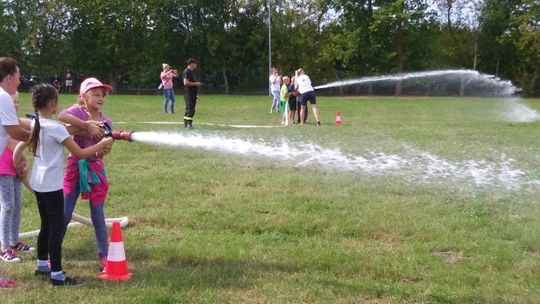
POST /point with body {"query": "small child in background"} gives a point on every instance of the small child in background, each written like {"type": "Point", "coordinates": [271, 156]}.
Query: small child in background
{"type": "Point", "coordinates": [284, 96]}
{"type": "Point", "coordinates": [293, 94]}
{"type": "Point", "coordinates": [11, 200]}
{"type": "Point", "coordinates": [47, 142]}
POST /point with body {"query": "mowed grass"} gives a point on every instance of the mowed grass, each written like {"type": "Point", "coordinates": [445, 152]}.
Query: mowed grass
{"type": "Point", "coordinates": [207, 227]}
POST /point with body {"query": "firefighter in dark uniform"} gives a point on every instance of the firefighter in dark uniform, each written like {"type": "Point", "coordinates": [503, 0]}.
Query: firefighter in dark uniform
{"type": "Point", "coordinates": [191, 91]}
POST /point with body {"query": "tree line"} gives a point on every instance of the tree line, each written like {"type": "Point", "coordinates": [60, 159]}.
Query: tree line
{"type": "Point", "coordinates": [124, 42]}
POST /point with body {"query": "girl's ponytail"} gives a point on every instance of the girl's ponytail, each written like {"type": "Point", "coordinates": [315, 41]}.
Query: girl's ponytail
{"type": "Point", "coordinates": [34, 137]}
{"type": "Point", "coordinates": [42, 94]}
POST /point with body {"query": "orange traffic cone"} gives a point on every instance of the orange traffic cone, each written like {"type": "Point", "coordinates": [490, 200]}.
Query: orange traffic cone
{"type": "Point", "coordinates": [116, 269]}
{"type": "Point", "coordinates": [338, 118]}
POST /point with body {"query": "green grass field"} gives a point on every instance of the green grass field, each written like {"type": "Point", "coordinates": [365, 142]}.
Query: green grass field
{"type": "Point", "coordinates": [212, 227]}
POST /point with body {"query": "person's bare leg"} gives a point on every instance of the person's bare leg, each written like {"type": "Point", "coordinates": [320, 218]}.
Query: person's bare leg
{"type": "Point", "coordinates": [315, 113]}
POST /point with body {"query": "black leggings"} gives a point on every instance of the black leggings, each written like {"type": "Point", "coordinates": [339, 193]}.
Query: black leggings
{"type": "Point", "coordinates": [51, 212]}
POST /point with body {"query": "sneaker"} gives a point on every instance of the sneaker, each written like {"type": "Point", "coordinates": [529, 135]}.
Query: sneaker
{"type": "Point", "coordinates": [23, 247]}
{"type": "Point", "coordinates": [102, 264]}
{"type": "Point", "coordinates": [10, 256]}
{"type": "Point", "coordinates": [66, 282]}
{"type": "Point", "coordinates": [318, 123]}
{"type": "Point", "coordinates": [6, 283]}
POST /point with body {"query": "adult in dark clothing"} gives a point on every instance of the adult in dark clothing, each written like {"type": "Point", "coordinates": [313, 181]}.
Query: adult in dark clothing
{"type": "Point", "coordinates": [191, 91]}
{"type": "Point", "coordinates": [57, 82]}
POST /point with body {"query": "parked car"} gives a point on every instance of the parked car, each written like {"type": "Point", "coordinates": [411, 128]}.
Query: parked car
{"type": "Point", "coordinates": [28, 81]}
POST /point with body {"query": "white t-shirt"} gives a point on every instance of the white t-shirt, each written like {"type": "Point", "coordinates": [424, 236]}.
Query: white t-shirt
{"type": "Point", "coordinates": [276, 86]}
{"type": "Point", "coordinates": [8, 117]}
{"type": "Point", "coordinates": [48, 168]}
{"type": "Point", "coordinates": [304, 84]}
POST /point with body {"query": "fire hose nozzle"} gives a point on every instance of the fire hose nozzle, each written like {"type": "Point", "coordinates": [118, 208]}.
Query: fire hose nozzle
{"type": "Point", "coordinates": [122, 134]}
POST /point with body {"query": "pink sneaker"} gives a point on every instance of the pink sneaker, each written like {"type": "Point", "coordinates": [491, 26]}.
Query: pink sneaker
{"type": "Point", "coordinates": [5, 283]}
{"type": "Point", "coordinates": [10, 256]}
{"type": "Point", "coordinates": [23, 247]}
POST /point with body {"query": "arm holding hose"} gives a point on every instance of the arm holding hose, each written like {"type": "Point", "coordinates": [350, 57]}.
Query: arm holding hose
{"type": "Point", "coordinates": [91, 127]}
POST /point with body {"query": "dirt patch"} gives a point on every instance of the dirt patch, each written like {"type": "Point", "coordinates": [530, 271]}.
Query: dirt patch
{"type": "Point", "coordinates": [533, 250]}
{"type": "Point", "coordinates": [450, 257]}
{"type": "Point", "coordinates": [389, 241]}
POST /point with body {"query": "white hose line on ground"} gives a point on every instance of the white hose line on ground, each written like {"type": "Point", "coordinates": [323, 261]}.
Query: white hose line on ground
{"type": "Point", "coordinates": [77, 220]}
{"type": "Point", "coordinates": [199, 123]}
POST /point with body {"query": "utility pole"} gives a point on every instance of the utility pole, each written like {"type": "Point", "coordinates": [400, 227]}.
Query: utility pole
{"type": "Point", "coordinates": [269, 5]}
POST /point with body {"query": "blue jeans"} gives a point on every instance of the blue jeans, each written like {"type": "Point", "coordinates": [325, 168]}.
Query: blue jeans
{"type": "Point", "coordinates": [10, 210]}
{"type": "Point", "coordinates": [168, 94]}
{"type": "Point", "coordinates": [98, 219]}
{"type": "Point", "coordinates": [275, 100]}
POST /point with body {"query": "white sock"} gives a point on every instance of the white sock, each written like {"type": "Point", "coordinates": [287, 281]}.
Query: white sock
{"type": "Point", "coordinates": [41, 263]}
{"type": "Point", "coordinates": [58, 275]}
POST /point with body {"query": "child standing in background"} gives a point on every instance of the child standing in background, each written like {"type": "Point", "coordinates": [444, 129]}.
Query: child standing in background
{"type": "Point", "coordinates": [292, 100]}
{"type": "Point", "coordinates": [284, 96]}
{"type": "Point", "coordinates": [47, 145]}
{"type": "Point", "coordinates": [11, 201]}
{"type": "Point", "coordinates": [86, 114]}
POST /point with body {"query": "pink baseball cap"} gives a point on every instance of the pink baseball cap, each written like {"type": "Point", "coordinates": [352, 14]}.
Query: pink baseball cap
{"type": "Point", "coordinates": [92, 83]}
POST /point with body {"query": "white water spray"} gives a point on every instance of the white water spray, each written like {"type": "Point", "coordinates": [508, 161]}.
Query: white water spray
{"type": "Point", "coordinates": [473, 80]}
{"type": "Point", "coordinates": [515, 111]}
{"type": "Point", "coordinates": [492, 84]}
{"type": "Point", "coordinates": [415, 167]}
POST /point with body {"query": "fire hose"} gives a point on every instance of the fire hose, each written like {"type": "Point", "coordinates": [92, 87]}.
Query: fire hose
{"type": "Point", "coordinates": [79, 220]}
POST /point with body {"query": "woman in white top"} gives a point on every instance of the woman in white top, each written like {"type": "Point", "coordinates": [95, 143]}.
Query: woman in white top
{"type": "Point", "coordinates": [275, 87]}
{"type": "Point", "coordinates": [10, 126]}
{"type": "Point", "coordinates": [9, 123]}
{"type": "Point", "coordinates": [307, 93]}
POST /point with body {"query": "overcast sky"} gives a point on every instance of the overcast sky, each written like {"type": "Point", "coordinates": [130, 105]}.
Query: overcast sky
{"type": "Point", "coordinates": [465, 11]}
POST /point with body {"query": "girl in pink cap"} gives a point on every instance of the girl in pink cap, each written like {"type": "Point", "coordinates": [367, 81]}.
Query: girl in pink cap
{"type": "Point", "coordinates": [86, 176]}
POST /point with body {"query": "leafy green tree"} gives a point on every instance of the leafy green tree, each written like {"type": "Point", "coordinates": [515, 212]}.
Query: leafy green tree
{"type": "Point", "coordinates": [496, 56]}
{"type": "Point", "coordinates": [524, 34]}
{"type": "Point", "coordinates": [111, 38]}
{"type": "Point", "coordinates": [124, 43]}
